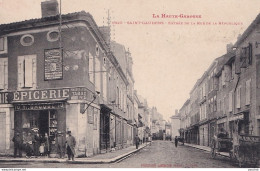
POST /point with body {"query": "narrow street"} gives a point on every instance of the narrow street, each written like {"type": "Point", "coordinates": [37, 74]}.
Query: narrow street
{"type": "Point", "coordinates": [159, 154]}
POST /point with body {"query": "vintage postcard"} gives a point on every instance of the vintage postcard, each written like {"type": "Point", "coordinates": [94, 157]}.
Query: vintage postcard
{"type": "Point", "coordinates": [129, 84]}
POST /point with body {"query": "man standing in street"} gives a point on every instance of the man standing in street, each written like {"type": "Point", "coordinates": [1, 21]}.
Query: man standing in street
{"type": "Point", "coordinates": [60, 144]}
{"type": "Point", "coordinates": [18, 141]}
{"type": "Point", "coordinates": [176, 141]}
{"type": "Point", "coordinates": [137, 140]}
{"type": "Point", "coordinates": [71, 143]}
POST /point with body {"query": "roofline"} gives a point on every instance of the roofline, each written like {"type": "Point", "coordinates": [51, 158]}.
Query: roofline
{"type": "Point", "coordinates": [249, 29]}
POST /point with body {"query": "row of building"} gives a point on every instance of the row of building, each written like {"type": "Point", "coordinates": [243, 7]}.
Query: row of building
{"type": "Point", "coordinates": [227, 96]}
{"type": "Point", "coordinates": [62, 72]}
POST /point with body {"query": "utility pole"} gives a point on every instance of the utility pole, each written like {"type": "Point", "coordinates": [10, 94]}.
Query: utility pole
{"type": "Point", "coordinates": [60, 24]}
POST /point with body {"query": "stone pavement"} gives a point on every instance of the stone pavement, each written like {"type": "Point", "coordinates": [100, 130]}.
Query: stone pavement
{"type": "Point", "coordinates": [108, 157]}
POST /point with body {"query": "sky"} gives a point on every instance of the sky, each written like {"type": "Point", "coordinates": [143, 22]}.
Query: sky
{"type": "Point", "coordinates": [168, 58]}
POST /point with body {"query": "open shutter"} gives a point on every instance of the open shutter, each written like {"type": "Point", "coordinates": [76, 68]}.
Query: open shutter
{"type": "Point", "coordinates": [28, 71]}
{"type": "Point", "coordinates": [238, 96]}
{"type": "Point", "coordinates": [6, 73]}
{"type": "Point", "coordinates": [237, 61]}
{"type": "Point", "coordinates": [2, 71]}
{"type": "Point", "coordinates": [248, 91]}
{"type": "Point", "coordinates": [104, 75]}
{"type": "Point", "coordinates": [20, 63]}
{"type": "Point", "coordinates": [230, 102]}
{"type": "Point", "coordinates": [97, 75]}
{"type": "Point", "coordinates": [91, 68]}
{"type": "Point", "coordinates": [34, 72]}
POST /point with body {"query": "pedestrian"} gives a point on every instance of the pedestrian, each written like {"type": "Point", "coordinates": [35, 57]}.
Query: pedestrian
{"type": "Point", "coordinates": [60, 144]}
{"type": "Point", "coordinates": [18, 142]}
{"type": "Point", "coordinates": [137, 141]}
{"type": "Point", "coordinates": [71, 143]}
{"type": "Point", "coordinates": [42, 141]}
{"type": "Point", "coordinates": [37, 144]}
{"type": "Point", "coordinates": [29, 145]}
{"type": "Point", "coordinates": [46, 141]}
{"type": "Point", "coordinates": [176, 141]}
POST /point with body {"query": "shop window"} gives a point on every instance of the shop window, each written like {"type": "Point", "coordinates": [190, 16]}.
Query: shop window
{"type": "Point", "coordinates": [27, 40]}
{"type": "Point", "coordinates": [3, 45]}
{"type": "Point", "coordinates": [27, 71]}
{"type": "Point", "coordinates": [4, 73]}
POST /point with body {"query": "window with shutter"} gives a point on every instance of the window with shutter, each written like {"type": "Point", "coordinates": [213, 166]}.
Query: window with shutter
{"type": "Point", "coordinates": [248, 91]}
{"type": "Point", "coordinates": [91, 68]}
{"type": "Point", "coordinates": [27, 74]}
{"type": "Point", "coordinates": [97, 75]}
{"type": "Point", "coordinates": [3, 45]}
{"type": "Point", "coordinates": [20, 65]}
{"type": "Point", "coordinates": [223, 77]}
{"type": "Point", "coordinates": [230, 102]}
{"type": "Point", "coordinates": [28, 71]}
{"type": "Point", "coordinates": [238, 97]}
{"type": "Point", "coordinates": [4, 73]}
{"type": "Point", "coordinates": [104, 75]}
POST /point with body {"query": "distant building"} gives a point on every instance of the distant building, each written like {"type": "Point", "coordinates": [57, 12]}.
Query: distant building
{"type": "Point", "coordinates": [175, 125]}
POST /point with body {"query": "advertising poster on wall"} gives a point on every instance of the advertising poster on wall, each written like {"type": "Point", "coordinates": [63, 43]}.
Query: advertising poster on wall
{"type": "Point", "coordinates": [53, 68]}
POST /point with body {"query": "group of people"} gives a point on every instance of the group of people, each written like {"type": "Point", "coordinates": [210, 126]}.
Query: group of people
{"type": "Point", "coordinates": [39, 145]}
{"type": "Point", "coordinates": [30, 144]}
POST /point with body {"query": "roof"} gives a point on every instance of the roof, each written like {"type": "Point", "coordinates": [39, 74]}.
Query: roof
{"type": "Point", "coordinates": [224, 60]}
{"type": "Point", "coordinates": [248, 30]}
{"type": "Point", "coordinates": [11, 27]}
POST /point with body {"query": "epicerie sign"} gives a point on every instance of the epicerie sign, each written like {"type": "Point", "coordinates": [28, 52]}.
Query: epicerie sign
{"type": "Point", "coordinates": [77, 93]}
{"type": "Point", "coordinates": [41, 94]}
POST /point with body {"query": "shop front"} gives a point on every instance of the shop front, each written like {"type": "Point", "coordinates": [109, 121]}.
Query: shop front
{"type": "Point", "coordinates": [49, 111]}
{"type": "Point", "coordinates": [42, 117]}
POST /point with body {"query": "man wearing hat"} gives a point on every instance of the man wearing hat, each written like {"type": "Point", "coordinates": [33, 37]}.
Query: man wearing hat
{"type": "Point", "coordinates": [60, 144]}
{"type": "Point", "coordinates": [18, 141]}
{"type": "Point", "coordinates": [71, 143]}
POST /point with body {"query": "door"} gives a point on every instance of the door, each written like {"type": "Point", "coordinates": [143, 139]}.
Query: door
{"type": "Point", "coordinates": [2, 131]}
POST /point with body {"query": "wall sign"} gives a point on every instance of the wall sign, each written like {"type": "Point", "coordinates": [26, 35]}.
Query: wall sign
{"type": "Point", "coordinates": [38, 106]}
{"type": "Point", "coordinates": [53, 68]}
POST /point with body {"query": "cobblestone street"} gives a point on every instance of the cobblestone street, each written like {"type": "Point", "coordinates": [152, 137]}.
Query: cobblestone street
{"type": "Point", "coordinates": [159, 154]}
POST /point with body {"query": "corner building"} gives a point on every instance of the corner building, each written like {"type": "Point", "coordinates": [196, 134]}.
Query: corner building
{"type": "Point", "coordinates": [52, 89]}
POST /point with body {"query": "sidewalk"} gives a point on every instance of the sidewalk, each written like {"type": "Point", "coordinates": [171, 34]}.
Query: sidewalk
{"type": "Point", "coordinates": [205, 148]}
{"type": "Point", "coordinates": [109, 157]}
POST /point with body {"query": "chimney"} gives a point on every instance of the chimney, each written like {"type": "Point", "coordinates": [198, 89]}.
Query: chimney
{"type": "Point", "coordinates": [50, 8]}
{"type": "Point", "coordinates": [239, 36]}
{"type": "Point", "coordinates": [105, 30]}
{"type": "Point", "coordinates": [176, 112]}
{"type": "Point", "coordinates": [229, 47]}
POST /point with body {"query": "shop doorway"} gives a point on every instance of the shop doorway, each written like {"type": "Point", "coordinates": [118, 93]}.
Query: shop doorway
{"type": "Point", "coordinates": [44, 122]}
